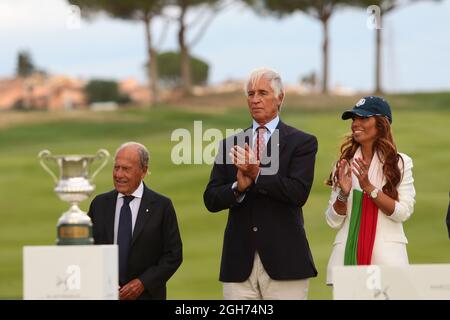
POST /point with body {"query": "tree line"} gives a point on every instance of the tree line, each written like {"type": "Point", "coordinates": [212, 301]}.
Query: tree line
{"type": "Point", "coordinates": [147, 11]}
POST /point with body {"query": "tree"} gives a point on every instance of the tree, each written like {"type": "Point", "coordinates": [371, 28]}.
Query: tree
{"type": "Point", "coordinates": [207, 11]}
{"type": "Point", "coordinates": [169, 67]}
{"type": "Point", "coordinates": [140, 10]}
{"type": "Point", "coordinates": [25, 66]}
{"type": "Point", "coordinates": [321, 10]}
{"type": "Point", "coordinates": [104, 91]}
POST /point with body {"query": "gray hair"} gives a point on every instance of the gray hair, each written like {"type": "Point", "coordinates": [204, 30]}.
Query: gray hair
{"type": "Point", "coordinates": [270, 75]}
{"type": "Point", "coordinates": [144, 155]}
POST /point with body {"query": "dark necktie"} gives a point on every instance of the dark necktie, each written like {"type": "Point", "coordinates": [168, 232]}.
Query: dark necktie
{"type": "Point", "coordinates": [124, 236]}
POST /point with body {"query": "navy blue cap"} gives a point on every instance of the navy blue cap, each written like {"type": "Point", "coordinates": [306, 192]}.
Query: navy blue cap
{"type": "Point", "coordinates": [369, 106]}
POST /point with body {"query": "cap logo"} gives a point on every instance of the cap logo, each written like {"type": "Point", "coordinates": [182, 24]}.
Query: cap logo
{"type": "Point", "coordinates": [360, 102]}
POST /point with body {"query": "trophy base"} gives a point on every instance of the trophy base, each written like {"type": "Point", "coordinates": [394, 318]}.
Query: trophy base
{"type": "Point", "coordinates": [74, 234]}
{"type": "Point", "coordinates": [74, 228]}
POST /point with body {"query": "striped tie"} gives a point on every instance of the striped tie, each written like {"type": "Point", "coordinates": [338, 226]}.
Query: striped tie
{"type": "Point", "coordinates": [260, 142]}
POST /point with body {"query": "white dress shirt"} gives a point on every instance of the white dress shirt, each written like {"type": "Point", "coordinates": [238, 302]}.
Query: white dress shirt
{"type": "Point", "coordinates": [271, 126]}
{"type": "Point", "coordinates": [134, 206]}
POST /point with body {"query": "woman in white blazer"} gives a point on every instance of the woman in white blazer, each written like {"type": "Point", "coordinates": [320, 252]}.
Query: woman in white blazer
{"type": "Point", "coordinates": [372, 192]}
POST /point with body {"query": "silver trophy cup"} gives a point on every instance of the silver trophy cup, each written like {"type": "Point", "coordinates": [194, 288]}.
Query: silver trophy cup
{"type": "Point", "coordinates": [73, 185]}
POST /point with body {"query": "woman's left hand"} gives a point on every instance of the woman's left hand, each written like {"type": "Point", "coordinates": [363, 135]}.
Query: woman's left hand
{"type": "Point", "coordinates": [361, 170]}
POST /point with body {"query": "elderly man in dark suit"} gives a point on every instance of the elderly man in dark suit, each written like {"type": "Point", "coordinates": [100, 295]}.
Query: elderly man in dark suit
{"type": "Point", "coordinates": [263, 175]}
{"type": "Point", "coordinates": [142, 222]}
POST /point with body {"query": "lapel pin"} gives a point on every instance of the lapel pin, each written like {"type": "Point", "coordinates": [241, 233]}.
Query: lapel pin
{"type": "Point", "coordinates": [146, 210]}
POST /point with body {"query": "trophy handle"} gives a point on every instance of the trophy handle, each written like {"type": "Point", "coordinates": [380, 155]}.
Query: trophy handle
{"type": "Point", "coordinates": [102, 153]}
{"type": "Point", "coordinates": [45, 155]}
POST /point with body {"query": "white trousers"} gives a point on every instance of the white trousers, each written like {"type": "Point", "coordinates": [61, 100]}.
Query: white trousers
{"type": "Point", "coordinates": [259, 286]}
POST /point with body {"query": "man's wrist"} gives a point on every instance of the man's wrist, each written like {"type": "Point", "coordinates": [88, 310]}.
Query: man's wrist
{"type": "Point", "coordinates": [235, 188]}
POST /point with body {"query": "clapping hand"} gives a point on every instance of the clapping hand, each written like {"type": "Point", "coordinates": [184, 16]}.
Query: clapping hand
{"type": "Point", "coordinates": [361, 170]}
{"type": "Point", "coordinates": [345, 176]}
{"type": "Point", "coordinates": [245, 160]}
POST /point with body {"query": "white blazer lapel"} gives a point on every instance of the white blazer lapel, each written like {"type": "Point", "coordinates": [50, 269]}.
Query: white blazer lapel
{"type": "Point", "coordinates": [376, 172]}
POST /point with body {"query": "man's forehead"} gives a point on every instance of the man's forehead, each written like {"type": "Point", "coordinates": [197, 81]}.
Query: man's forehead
{"type": "Point", "coordinates": [125, 162]}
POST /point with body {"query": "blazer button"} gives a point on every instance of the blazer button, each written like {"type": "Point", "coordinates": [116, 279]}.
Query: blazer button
{"type": "Point", "coordinates": [255, 229]}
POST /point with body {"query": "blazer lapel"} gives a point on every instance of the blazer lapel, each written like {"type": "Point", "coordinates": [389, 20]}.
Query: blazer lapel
{"type": "Point", "coordinates": [110, 215]}
{"type": "Point", "coordinates": [282, 134]}
{"type": "Point", "coordinates": [144, 213]}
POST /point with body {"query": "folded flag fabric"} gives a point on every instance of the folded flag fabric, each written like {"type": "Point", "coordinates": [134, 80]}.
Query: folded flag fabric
{"type": "Point", "coordinates": [362, 230]}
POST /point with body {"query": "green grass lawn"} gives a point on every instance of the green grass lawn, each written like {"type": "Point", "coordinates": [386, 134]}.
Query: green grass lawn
{"type": "Point", "coordinates": [30, 208]}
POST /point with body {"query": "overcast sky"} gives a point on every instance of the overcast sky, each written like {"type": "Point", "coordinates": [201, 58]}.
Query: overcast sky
{"type": "Point", "coordinates": [416, 53]}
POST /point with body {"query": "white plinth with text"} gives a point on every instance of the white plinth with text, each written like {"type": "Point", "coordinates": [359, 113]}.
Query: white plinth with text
{"type": "Point", "coordinates": [70, 272]}
{"type": "Point", "coordinates": [428, 281]}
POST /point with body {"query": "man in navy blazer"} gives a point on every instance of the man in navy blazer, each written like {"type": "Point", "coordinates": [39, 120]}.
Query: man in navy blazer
{"type": "Point", "coordinates": [153, 250]}
{"type": "Point", "coordinates": [265, 254]}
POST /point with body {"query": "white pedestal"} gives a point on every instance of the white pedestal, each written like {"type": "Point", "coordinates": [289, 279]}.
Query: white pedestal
{"type": "Point", "coordinates": [428, 281]}
{"type": "Point", "coordinates": [70, 272]}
